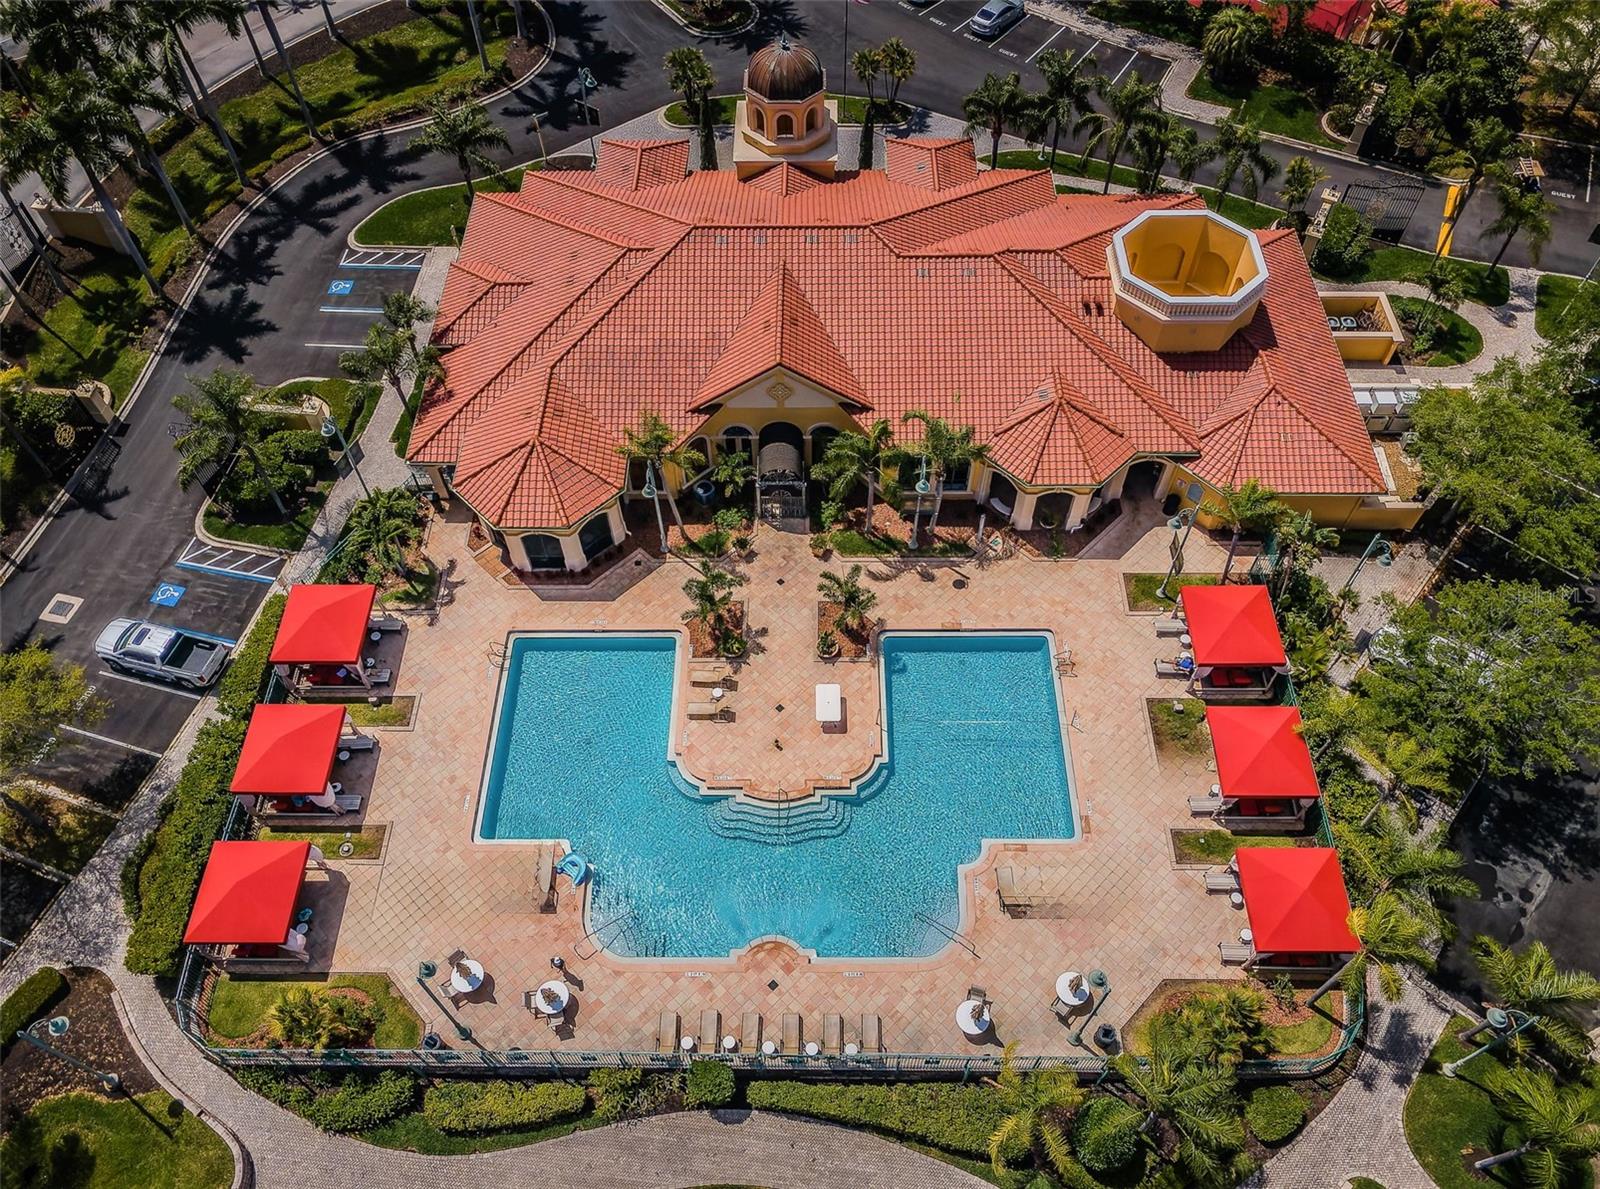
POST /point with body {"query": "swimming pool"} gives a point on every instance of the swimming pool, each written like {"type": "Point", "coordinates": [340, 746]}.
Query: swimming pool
{"type": "Point", "coordinates": [581, 753]}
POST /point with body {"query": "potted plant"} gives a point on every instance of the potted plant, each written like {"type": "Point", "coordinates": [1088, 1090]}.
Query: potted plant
{"type": "Point", "coordinates": [742, 543]}
{"type": "Point", "coordinates": [827, 645]}
{"type": "Point", "coordinates": [1046, 520]}
{"type": "Point", "coordinates": [733, 645]}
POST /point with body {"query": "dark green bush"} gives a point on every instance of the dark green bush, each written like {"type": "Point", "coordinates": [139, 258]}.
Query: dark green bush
{"type": "Point", "coordinates": [614, 1091]}
{"type": "Point", "coordinates": [167, 879]}
{"type": "Point", "coordinates": [1105, 1135]}
{"type": "Point", "coordinates": [710, 1084]}
{"type": "Point", "coordinates": [467, 1107]}
{"type": "Point", "coordinates": [336, 1102]}
{"type": "Point", "coordinates": [131, 867]}
{"type": "Point", "coordinates": [241, 685]}
{"type": "Point", "coordinates": [955, 1118]}
{"type": "Point", "coordinates": [1345, 243]}
{"type": "Point", "coordinates": [1275, 1113]}
{"type": "Point", "coordinates": [34, 996]}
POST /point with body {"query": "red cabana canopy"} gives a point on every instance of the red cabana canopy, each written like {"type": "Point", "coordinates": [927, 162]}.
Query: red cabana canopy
{"type": "Point", "coordinates": [289, 750]}
{"type": "Point", "coordinates": [1260, 752]}
{"type": "Point", "coordinates": [247, 893]}
{"type": "Point", "coordinates": [1231, 625]}
{"type": "Point", "coordinates": [324, 625]}
{"type": "Point", "coordinates": [1295, 899]}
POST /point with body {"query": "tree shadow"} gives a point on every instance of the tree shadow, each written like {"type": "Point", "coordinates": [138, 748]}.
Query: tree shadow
{"type": "Point", "coordinates": [225, 327]}
{"type": "Point", "coordinates": [772, 18]}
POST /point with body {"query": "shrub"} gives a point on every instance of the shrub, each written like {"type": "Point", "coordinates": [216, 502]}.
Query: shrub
{"type": "Point", "coordinates": [347, 1102]}
{"type": "Point", "coordinates": [614, 1091]}
{"type": "Point", "coordinates": [131, 866]}
{"type": "Point", "coordinates": [710, 1084]}
{"type": "Point", "coordinates": [955, 1118]}
{"type": "Point", "coordinates": [34, 996]}
{"type": "Point", "coordinates": [1344, 248]}
{"type": "Point", "coordinates": [1275, 1113]}
{"type": "Point", "coordinates": [467, 1107]}
{"type": "Point", "coordinates": [729, 520]}
{"type": "Point", "coordinates": [1105, 1135]}
{"type": "Point", "coordinates": [195, 811]}
{"type": "Point", "coordinates": [241, 684]}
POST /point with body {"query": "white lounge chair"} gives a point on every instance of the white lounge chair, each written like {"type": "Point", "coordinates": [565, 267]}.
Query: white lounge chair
{"type": "Point", "coordinates": [1221, 881]}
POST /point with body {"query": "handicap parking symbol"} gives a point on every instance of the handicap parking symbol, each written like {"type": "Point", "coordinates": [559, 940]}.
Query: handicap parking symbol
{"type": "Point", "coordinates": [340, 288]}
{"type": "Point", "coordinates": [168, 594]}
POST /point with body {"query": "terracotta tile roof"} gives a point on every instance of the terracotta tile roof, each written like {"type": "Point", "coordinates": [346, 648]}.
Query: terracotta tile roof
{"type": "Point", "coordinates": [587, 298]}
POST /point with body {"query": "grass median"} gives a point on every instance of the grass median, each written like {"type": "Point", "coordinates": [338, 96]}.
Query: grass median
{"type": "Point", "coordinates": [435, 217]}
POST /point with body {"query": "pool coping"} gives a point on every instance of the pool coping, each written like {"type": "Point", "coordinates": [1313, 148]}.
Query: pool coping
{"type": "Point", "coordinates": [966, 890]}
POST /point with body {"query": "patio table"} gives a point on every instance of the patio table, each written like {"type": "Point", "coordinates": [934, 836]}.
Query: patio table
{"type": "Point", "coordinates": [965, 1020]}
{"type": "Point", "coordinates": [1066, 994]}
{"type": "Point", "coordinates": [471, 980]}
{"type": "Point", "coordinates": [563, 994]}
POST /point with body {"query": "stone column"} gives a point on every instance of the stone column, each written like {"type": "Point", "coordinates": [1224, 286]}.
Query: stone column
{"type": "Point", "coordinates": [1079, 509]}
{"type": "Point", "coordinates": [436, 478]}
{"type": "Point", "coordinates": [1022, 514]}
{"type": "Point", "coordinates": [619, 527]}
{"type": "Point", "coordinates": [572, 552]}
{"type": "Point", "coordinates": [1319, 223]}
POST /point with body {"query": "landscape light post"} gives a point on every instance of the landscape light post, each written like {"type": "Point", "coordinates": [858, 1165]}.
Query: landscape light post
{"type": "Point", "coordinates": [922, 489]}
{"type": "Point", "coordinates": [586, 80]}
{"type": "Point", "coordinates": [1385, 553]}
{"type": "Point", "coordinates": [1184, 522]}
{"type": "Point", "coordinates": [1098, 980]}
{"type": "Point", "coordinates": [1501, 1021]}
{"type": "Point", "coordinates": [330, 429]}
{"type": "Point", "coordinates": [57, 1027]}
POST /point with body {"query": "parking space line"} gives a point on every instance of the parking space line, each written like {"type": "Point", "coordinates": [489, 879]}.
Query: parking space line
{"type": "Point", "coordinates": [922, 12]}
{"type": "Point", "coordinates": [1009, 32]}
{"type": "Point", "coordinates": [229, 562]}
{"type": "Point", "coordinates": [150, 685]}
{"type": "Point", "coordinates": [61, 726]}
{"type": "Point", "coordinates": [350, 309]}
{"type": "Point", "coordinates": [1086, 54]}
{"type": "Point", "coordinates": [1132, 58]}
{"type": "Point", "coordinates": [409, 258]}
{"type": "Point", "coordinates": [1051, 38]}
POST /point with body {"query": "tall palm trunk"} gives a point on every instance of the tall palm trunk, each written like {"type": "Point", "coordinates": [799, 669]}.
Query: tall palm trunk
{"type": "Point", "coordinates": [1333, 981]}
{"type": "Point", "coordinates": [327, 19]}
{"type": "Point", "coordinates": [477, 34]}
{"type": "Point", "coordinates": [202, 104]}
{"type": "Point", "coordinates": [871, 486]}
{"type": "Point", "coordinates": [250, 453]}
{"type": "Point", "coordinates": [994, 144]}
{"type": "Point", "coordinates": [1496, 261]}
{"type": "Point", "coordinates": [130, 245]}
{"type": "Point", "coordinates": [1503, 1158]}
{"type": "Point", "coordinates": [1055, 142]}
{"type": "Point", "coordinates": [938, 503]}
{"type": "Point", "coordinates": [466, 171]}
{"type": "Point", "coordinates": [152, 162]}
{"type": "Point", "coordinates": [255, 49]}
{"type": "Point", "coordinates": [288, 66]}
{"type": "Point", "coordinates": [1233, 549]}
{"type": "Point", "coordinates": [522, 21]}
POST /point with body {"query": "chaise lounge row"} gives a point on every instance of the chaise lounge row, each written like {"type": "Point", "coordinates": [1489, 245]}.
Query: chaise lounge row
{"type": "Point", "coordinates": [670, 1037]}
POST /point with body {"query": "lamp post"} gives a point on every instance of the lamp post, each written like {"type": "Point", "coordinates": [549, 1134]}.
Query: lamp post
{"type": "Point", "coordinates": [1098, 980]}
{"type": "Point", "coordinates": [1385, 554]}
{"type": "Point", "coordinates": [538, 128]}
{"type": "Point", "coordinates": [1502, 1022]}
{"type": "Point", "coordinates": [652, 493]}
{"type": "Point", "coordinates": [425, 971]}
{"type": "Point", "coordinates": [330, 429]}
{"type": "Point", "coordinates": [587, 81]}
{"type": "Point", "coordinates": [922, 489]}
{"type": "Point", "coordinates": [1184, 522]}
{"type": "Point", "coordinates": [57, 1027]}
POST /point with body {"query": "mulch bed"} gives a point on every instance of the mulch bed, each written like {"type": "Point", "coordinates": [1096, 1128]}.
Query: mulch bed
{"type": "Point", "coordinates": [700, 640]}
{"type": "Point", "coordinates": [96, 1036]}
{"type": "Point", "coordinates": [852, 644]}
{"type": "Point", "coordinates": [1171, 994]}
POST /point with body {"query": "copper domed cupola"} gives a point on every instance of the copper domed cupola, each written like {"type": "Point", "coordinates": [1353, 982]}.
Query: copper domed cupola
{"type": "Point", "coordinates": [785, 114]}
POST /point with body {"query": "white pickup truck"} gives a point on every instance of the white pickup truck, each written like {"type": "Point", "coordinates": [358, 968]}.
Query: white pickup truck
{"type": "Point", "coordinates": [168, 654]}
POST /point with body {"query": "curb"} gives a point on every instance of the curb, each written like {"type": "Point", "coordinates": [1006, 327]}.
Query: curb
{"type": "Point", "coordinates": [755, 15]}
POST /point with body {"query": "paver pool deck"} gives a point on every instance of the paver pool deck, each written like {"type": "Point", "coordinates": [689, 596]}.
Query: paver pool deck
{"type": "Point", "coordinates": [1128, 909]}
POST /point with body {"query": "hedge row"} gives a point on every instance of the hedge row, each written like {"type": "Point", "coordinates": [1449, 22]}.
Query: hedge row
{"type": "Point", "coordinates": [242, 684]}
{"type": "Point", "coordinates": [955, 1118]}
{"type": "Point", "coordinates": [34, 996]}
{"type": "Point", "coordinates": [1275, 1113]}
{"type": "Point", "coordinates": [354, 1102]}
{"type": "Point", "coordinates": [464, 1108]}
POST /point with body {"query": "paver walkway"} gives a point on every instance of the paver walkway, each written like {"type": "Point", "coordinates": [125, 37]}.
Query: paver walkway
{"type": "Point", "coordinates": [1361, 1132]}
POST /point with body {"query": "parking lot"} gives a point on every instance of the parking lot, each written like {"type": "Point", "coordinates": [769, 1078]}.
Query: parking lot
{"type": "Point", "coordinates": [1019, 47]}
{"type": "Point", "coordinates": [351, 299]}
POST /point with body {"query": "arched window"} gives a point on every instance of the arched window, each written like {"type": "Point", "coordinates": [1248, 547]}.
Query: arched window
{"type": "Point", "coordinates": [811, 119]}
{"type": "Point", "coordinates": [761, 120]}
{"type": "Point", "coordinates": [594, 538]}
{"type": "Point", "coordinates": [736, 438]}
{"type": "Point", "coordinates": [544, 551]}
{"type": "Point", "coordinates": [784, 125]}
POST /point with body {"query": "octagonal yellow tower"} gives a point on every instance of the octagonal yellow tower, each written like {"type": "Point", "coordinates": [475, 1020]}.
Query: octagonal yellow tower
{"type": "Point", "coordinates": [1185, 280]}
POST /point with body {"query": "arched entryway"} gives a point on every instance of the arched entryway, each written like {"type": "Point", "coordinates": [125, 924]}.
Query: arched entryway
{"type": "Point", "coordinates": [821, 436]}
{"type": "Point", "coordinates": [1141, 481]}
{"type": "Point", "coordinates": [544, 551]}
{"type": "Point", "coordinates": [781, 476]}
{"type": "Point", "coordinates": [595, 536]}
{"type": "Point", "coordinates": [1002, 494]}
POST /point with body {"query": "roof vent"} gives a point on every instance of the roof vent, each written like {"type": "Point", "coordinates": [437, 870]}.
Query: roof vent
{"type": "Point", "coordinates": [922, 272]}
{"type": "Point", "coordinates": [761, 237]}
{"type": "Point", "coordinates": [811, 237]}
{"type": "Point", "coordinates": [722, 241]}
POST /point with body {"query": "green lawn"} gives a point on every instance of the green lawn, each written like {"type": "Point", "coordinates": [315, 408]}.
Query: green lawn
{"type": "Point", "coordinates": [1309, 1036]}
{"type": "Point", "coordinates": [413, 1133]}
{"type": "Point", "coordinates": [102, 323]}
{"type": "Point", "coordinates": [88, 1142]}
{"type": "Point", "coordinates": [1218, 846]}
{"type": "Point", "coordinates": [367, 840]}
{"type": "Point", "coordinates": [1240, 210]}
{"type": "Point", "coordinates": [1184, 731]}
{"type": "Point", "coordinates": [852, 110]}
{"type": "Point", "coordinates": [239, 1006]}
{"type": "Point", "coordinates": [1281, 110]}
{"type": "Point", "coordinates": [1143, 589]}
{"type": "Point", "coordinates": [349, 403]}
{"type": "Point", "coordinates": [436, 217]}
{"type": "Point", "coordinates": [277, 534]}
{"type": "Point", "coordinates": [350, 90]}
{"type": "Point", "coordinates": [1455, 340]}
{"type": "Point", "coordinates": [419, 590]}
{"type": "Point", "coordinates": [1551, 299]}
{"type": "Point", "coordinates": [1444, 1117]}
{"type": "Point", "coordinates": [849, 542]}
{"type": "Point", "coordinates": [396, 712]}
{"type": "Point", "coordinates": [1486, 286]}
{"type": "Point", "coordinates": [737, 12]}
{"type": "Point", "coordinates": [1255, 215]}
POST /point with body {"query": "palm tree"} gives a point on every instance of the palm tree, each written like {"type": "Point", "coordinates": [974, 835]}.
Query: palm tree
{"type": "Point", "coordinates": [463, 133]}
{"type": "Point", "coordinates": [998, 101]}
{"type": "Point", "coordinates": [222, 419]}
{"type": "Point", "coordinates": [853, 458]}
{"type": "Point", "coordinates": [298, 1018]}
{"type": "Point", "coordinates": [1237, 146]}
{"type": "Point", "coordinates": [944, 447]}
{"type": "Point", "coordinates": [1301, 541]}
{"type": "Point", "coordinates": [711, 593]}
{"type": "Point", "coordinates": [403, 311]}
{"type": "Point", "coordinates": [1404, 765]}
{"type": "Point", "coordinates": [1250, 507]}
{"type": "Point", "coordinates": [477, 34]}
{"type": "Point", "coordinates": [654, 443]}
{"type": "Point", "coordinates": [734, 471]}
{"type": "Point", "coordinates": [383, 357]}
{"type": "Point", "coordinates": [1226, 1025]}
{"type": "Point", "coordinates": [1194, 1097]}
{"type": "Point", "coordinates": [1560, 1126]}
{"type": "Point", "coordinates": [1521, 211]}
{"type": "Point", "coordinates": [899, 62]}
{"type": "Point", "coordinates": [1034, 1104]}
{"type": "Point", "coordinates": [1232, 39]}
{"type": "Point", "coordinates": [1384, 858]}
{"type": "Point", "coordinates": [853, 600]}
{"type": "Point", "coordinates": [1388, 937]}
{"type": "Point", "coordinates": [1300, 177]}
{"type": "Point", "coordinates": [159, 32]}
{"type": "Point", "coordinates": [1128, 105]}
{"type": "Point", "coordinates": [1531, 982]}
{"type": "Point", "coordinates": [264, 7]}
{"type": "Point", "coordinates": [129, 85]}
{"type": "Point", "coordinates": [1157, 139]}
{"type": "Point", "coordinates": [689, 74]}
{"type": "Point", "coordinates": [381, 531]}
{"type": "Point", "coordinates": [67, 116]}
{"type": "Point", "coordinates": [867, 65]}
{"type": "Point", "coordinates": [1489, 145]}
{"type": "Point", "coordinates": [1066, 95]}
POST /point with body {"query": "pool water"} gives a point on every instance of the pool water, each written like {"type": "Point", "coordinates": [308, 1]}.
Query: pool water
{"type": "Point", "coordinates": [975, 752]}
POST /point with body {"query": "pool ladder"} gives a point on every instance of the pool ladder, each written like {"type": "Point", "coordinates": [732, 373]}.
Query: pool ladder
{"type": "Point", "coordinates": [947, 932]}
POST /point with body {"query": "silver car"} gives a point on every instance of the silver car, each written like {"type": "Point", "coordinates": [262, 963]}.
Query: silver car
{"type": "Point", "coordinates": [996, 16]}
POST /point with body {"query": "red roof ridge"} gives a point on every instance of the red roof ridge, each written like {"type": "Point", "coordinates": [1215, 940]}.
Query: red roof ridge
{"type": "Point", "coordinates": [625, 163]}
{"type": "Point", "coordinates": [611, 237]}
{"type": "Point", "coordinates": [898, 231]}
{"type": "Point", "coordinates": [784, 180]}
{"type": "Point", "coordinates": [1071, 412]}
